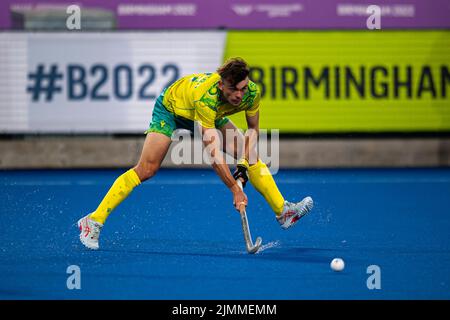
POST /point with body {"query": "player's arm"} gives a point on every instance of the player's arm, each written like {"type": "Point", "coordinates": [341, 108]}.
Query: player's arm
{"type": "Point", "coordinates": [251, 137]}
{"type": "Point", "coordinates": [250, 154]}
{"type": "Point", "coordinates": [211, 140]}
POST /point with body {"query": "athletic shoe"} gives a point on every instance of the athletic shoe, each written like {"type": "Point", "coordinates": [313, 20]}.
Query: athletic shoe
{"type": "Point", "coordinates": [292, 212]}
{"type": "Point", "coordinates": [89, 232]}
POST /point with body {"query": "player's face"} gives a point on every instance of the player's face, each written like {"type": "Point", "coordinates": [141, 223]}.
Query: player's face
{"type": "Point", "coordinates": [234, 94]}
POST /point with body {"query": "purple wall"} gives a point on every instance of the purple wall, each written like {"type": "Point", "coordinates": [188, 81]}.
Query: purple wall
{"type": "Point", "coordinates": [252, 14]}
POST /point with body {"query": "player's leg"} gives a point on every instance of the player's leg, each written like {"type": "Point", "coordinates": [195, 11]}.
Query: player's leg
{"type": "Point", "coordinates": [287, 213]}
{"type": "Point", "coordinates": [154, 150]}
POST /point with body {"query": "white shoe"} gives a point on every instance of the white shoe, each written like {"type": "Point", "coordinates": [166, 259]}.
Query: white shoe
{"type": "Point", "coordinates": [292, 212]}
{"type": "Point", "coordinates": [89, 232]}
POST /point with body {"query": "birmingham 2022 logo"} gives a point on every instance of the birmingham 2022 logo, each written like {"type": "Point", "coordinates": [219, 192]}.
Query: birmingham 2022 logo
{"type": "Point", "coordinates": [99, 81]}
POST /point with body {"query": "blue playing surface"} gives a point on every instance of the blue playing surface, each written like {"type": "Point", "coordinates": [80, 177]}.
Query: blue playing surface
{"type": "Point", "coordinates": [178, 237]}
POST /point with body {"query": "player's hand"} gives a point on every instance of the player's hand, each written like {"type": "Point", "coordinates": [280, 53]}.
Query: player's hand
{"type": "Point", "coordinates": [241, 172]}
{"type": "Point", "coordinates": [239, 199]}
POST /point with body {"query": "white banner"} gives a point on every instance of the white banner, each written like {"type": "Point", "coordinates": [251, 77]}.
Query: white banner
{"type": "Point", "coordinates": [95, 82]}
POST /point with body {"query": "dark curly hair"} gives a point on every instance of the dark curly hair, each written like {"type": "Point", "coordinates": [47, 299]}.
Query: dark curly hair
{"type": "Point", "coordinates": [234, 70]}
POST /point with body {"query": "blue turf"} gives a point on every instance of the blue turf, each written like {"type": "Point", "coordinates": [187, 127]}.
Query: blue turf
{"type": "Point", "coordinates": [178, 237]}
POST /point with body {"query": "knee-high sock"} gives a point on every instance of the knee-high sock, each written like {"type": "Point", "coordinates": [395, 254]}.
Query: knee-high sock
{"type": "Point", "coordinates": [120, 189]}
{"type": "Point", "coordinates": [262, 180]}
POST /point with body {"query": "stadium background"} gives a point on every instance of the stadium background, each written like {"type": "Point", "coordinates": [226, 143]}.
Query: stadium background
{"type": "Point", "coordinates": [363, 115]}
{"type": "Point", "coordinates": [340, 94]}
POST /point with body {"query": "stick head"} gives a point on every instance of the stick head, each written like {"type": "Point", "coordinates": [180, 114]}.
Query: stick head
{"type": "Point", "coordinates": [255, 247]}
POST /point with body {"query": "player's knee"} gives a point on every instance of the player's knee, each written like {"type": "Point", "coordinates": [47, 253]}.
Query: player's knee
{"type": "Point", "coordinates": [146, 170]}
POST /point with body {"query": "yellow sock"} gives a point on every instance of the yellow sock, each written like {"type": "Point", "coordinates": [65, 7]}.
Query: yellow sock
{"type": "Point", "coordinates": [262, 180]}
{"type": "Point", "coordinates": [120, 189]}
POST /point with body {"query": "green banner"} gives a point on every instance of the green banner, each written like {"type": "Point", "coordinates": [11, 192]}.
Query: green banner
{"type": "Point", "coordinates": [348, 81]}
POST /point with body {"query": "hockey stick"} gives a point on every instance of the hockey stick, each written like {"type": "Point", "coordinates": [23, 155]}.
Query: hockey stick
{"type": "Point", "coordinates": [251, 248]}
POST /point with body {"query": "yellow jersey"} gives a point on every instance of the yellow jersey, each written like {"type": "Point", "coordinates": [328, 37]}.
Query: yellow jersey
{"type": "Point", "coordinates": [196, 97]}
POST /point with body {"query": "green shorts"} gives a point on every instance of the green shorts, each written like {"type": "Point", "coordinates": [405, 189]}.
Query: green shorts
{"type": "Point", "coordinates": [166, 122]}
